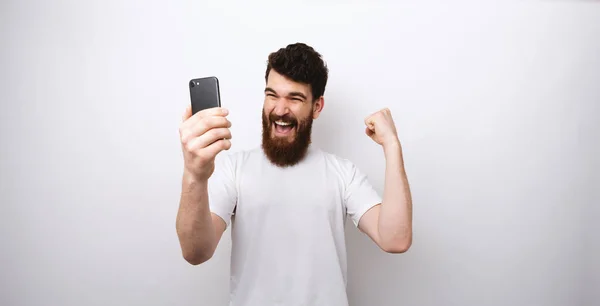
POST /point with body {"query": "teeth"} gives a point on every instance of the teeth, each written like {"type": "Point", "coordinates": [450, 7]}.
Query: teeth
{"type": "Point", "coordinates": [282, 123]}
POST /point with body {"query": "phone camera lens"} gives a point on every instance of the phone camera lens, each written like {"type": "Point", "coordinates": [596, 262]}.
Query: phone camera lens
{"type": "Point", "coordinates": [192, 84]}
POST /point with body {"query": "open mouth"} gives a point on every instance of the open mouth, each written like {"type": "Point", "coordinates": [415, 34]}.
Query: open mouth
{"type": "Point", "coordinates": [283, 127]}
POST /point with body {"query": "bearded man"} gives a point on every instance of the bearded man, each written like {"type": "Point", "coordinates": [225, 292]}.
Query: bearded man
{"type": "Point", "coordinates": [287, 200]}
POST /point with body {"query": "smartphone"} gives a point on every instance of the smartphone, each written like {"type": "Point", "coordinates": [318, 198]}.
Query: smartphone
{"type": "Point", "coordinates": [204, 93]}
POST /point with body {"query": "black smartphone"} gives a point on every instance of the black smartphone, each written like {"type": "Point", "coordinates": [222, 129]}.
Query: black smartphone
{"type": "Point", "coordinates": [204, 93]}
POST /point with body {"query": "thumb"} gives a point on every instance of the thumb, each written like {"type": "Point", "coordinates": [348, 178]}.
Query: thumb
{"type": "Point", "coordinates": [369, 131]}
{"type": "Point", "coordinates": [187, 113]}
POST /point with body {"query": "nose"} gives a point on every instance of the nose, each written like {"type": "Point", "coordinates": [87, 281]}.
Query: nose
{"type": "Point", "coordinates": [281, 108]}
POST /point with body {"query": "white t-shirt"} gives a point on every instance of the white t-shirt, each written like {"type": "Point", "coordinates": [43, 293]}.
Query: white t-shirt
{"type": "Point", "coordinates": [287, 225]}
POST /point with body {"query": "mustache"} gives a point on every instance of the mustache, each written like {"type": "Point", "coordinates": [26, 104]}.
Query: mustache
{"type": "Point", "coordinates": [285, 118]}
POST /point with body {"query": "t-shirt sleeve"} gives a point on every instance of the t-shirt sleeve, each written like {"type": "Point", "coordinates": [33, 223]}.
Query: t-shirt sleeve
{"type": "Point", "coordinates": [222, 189]}
{"type": "Point", "coordinates": [360, 196]}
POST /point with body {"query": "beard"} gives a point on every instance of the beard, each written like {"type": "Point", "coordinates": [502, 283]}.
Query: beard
{"type": "Point", "coordinates": [282, 151]}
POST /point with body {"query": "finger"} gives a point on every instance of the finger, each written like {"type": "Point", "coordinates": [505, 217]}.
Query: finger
{"type": "Point", "coordinates": [369, 131]}
{"type": "Point", "coordinates": [213, 149]}
{"type": "Point", "coordinates": [209, 123]}
{"type": "Point", "coordinates": [187, 113]}
{"type": "Point", "coordinates": [209, 112]}
{"type": "Point", "coordinates": [188, 132]}
{"type": "Point", "coordinates": [212, 136]}
{"type": "Point", "coordinates": [370, 122]}
{"type": "Point", "coordinates": [213, 111]}
{"type": "Point", "coordinates": [199, 144]}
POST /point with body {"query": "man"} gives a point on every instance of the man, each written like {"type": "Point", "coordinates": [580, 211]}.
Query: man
{"type": "Point", "coordinates": [287, 200]}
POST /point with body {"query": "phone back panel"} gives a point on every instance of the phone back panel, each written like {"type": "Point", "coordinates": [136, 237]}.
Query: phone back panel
{"type": "Point", "coordinates": [204, 93]}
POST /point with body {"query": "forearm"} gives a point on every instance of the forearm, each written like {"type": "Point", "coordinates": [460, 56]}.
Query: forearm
{"type": "Point", "coordinates": [395, 217]}
{"type": "Point", "coordinates": [194, 224]}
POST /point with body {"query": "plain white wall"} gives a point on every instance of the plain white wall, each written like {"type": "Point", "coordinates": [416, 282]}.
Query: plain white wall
{"type": "Point", "coordinates": [496, 106]}
{"type": "Point", "coordinates": [592, 230]}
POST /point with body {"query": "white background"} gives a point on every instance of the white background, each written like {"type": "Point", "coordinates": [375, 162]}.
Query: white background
{"type": "Point", "coordinates": [496, 106]}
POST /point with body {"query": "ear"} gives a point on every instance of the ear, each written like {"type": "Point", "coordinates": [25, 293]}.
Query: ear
{"type": "Point", "coordinates": [318, 107]}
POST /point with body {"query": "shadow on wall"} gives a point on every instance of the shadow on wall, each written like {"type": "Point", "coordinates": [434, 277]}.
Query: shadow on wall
{"type": "Point", "coordinates": [334, 132]}
{"type": "Point", "coordinates": [372, 273]}
{"type": "Point", "coordinates": [340, 127]}
{"type": "Point", "coordinates": [326, 133]}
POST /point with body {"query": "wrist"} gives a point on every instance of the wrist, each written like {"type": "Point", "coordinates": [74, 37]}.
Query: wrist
{"type": "Point", "coordinates": [190, 179]}
{"type": "Point", "coordinates": [393, 144]}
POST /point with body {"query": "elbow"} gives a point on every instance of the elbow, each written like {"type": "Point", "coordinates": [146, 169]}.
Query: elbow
{"type": "Point", "coordinates": [398, 246]}
{"type": "Point", "coordinates": [197, 258]}
{"type": "Point", "coordinates": [195, 251]}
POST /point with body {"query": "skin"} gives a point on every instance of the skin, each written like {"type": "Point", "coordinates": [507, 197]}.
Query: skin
{"type": "Point", "coordinates": [389, 224]}
{"type": "Point", "coordinates": [204, 135]}
{"type": "Point", "coordinates": [283, 96]}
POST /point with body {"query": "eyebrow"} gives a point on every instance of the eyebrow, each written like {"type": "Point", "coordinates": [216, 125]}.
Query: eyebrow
{"type": "Point", "coordinates": [291, 94]}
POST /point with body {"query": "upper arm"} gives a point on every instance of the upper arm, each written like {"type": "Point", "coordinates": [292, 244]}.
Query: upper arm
{"type": "Point", "coordinates": [220, 227]}
{"type": "Point", "coordinates": [369, 224]}
{"type": "Point", "coordinates": [362, 201]}
{"type": "Point", "coordinates": [222, 193]}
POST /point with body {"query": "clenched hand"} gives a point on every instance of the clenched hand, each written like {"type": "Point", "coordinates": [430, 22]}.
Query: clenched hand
{"type": "Point", "coordinates": [203, 136]}
{"type": "Point", "coordinates": [381, 128]}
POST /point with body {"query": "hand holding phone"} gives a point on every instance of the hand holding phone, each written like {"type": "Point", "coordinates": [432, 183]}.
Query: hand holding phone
{"type": "Point", "coordinates": [205, 133]}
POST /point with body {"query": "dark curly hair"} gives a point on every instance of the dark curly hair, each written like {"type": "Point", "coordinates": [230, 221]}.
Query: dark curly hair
{"type": "Point", "coordinates": [301, 63]}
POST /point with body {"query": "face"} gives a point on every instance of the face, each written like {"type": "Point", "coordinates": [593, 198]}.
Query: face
{"type": "Point", "coordinates": [288, 113]}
